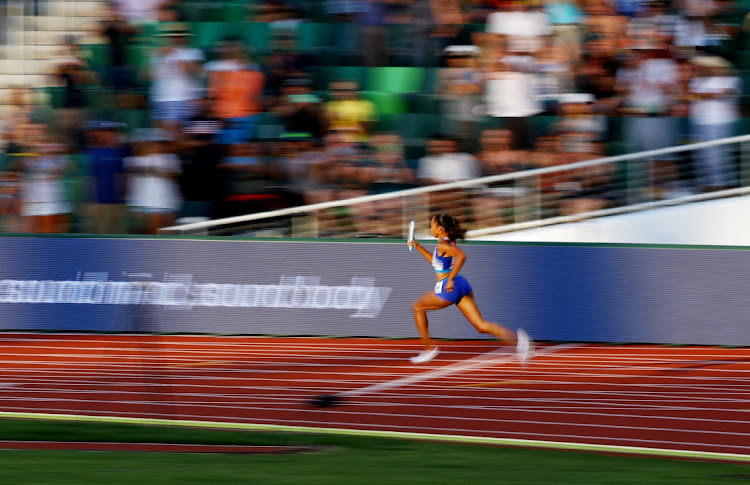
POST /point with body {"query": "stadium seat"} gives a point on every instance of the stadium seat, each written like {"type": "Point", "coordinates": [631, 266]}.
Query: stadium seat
{"type": "Point", "coordinates": [138, 56]}
{"type": "Point", "coordinates": [235, 11]}
{"type": "Point", "coordinates": [395, 79]}
{"type": "Point", "coordinates": [387, 103]}
{"type": "Point", "coordinates": [257, 36]}
{"type": "Point", "coordinates": [200, 11]}
{"type": "Point", "coordinates": [209, 34]}
{"type": "Point", "coordinates": [417, 127]}
{"type": "Point", "coordinates": [314, 37]}
{"type": "Point", "coordinates": [54, 96]}
{"type": "Point", "coordinates": [134, 118]}
{"type": "Point", "coordinates": [327, 74]}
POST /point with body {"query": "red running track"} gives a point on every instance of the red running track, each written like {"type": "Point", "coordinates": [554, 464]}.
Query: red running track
{"type": "Point", "coordinates": [691, 398]}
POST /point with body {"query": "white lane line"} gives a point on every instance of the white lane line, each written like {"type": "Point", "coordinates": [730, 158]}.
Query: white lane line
{"type": "Point", "coordinates": [498, 356]}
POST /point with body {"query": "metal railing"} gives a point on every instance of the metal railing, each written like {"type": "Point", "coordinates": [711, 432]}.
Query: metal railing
{"type": "Point", "coordinates": [520, 200]}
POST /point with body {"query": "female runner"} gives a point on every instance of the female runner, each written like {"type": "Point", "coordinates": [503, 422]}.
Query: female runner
{"type": "Point", "coordinates": [452, 288]}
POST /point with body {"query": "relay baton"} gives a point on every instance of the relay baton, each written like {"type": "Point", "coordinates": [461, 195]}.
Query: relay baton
{"type": "Point", "coordinates": [412, 230]}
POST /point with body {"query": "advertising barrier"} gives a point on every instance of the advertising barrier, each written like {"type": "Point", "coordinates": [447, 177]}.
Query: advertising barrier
{"type": "Point", "coordinates": [557, 292]}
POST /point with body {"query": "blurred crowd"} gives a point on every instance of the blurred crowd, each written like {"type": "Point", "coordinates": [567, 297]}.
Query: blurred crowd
{"type": "Point", "coordinates": [637, 75]}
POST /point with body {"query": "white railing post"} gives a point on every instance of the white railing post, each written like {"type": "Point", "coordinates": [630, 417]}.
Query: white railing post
{"type": "Point", "coordinates": [744, 165]}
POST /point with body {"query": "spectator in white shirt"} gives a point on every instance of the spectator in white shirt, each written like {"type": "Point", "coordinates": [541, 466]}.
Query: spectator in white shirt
{"type": "Point", "coordinates": [648, 84]}
{"type": "Point", "coordinates": [153, 194]}
{"type": "Point", "coordinates": [141, 11]}
{"type": "Point", "coordinates": [444, 163]}
{"type": "Point", "coordinates": [510, 97]}
{"type": "Point", "coordinates": [714, 111]}
{"type": "Point", "coordinates": [176, 87]}
{"type": "Point", "coordinates": [522, 25]}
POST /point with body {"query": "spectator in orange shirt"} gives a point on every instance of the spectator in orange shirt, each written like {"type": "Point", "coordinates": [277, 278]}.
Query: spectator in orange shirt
{"type": "Point", "coordinates": [235, 88]}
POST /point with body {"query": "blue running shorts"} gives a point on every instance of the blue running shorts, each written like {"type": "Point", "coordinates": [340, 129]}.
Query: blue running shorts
{"type": "Point", "coordinates": [461, 288]}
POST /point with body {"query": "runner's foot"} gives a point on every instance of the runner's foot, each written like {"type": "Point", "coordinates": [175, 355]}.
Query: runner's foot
{"type": "Point", "coordinates": [425, 356]}
{"type": "Point", "coordinates": [524, 346]}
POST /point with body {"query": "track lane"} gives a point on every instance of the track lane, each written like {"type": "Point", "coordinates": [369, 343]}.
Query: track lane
{"type": "Point", "coordinates": [680, 398]}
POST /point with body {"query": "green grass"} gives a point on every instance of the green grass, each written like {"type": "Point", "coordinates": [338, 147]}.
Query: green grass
{"type": "Point", "coordinates": [342, 460]}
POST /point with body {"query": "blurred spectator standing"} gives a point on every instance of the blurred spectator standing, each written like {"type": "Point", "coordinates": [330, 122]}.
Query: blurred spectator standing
{"type": "Point", "coordinates": [566, 19]}
{"type": "Point", "coordinates": [580, 124]}
{"type": "Point", "coordinates": [118, 33]}
{"type": "Point", "coordinates": [523, 26]}
{"type": "Point", "coordinates": [347, 113]}
{"type": "Point", "coordinates": [444, 163]}
{"type": "Point", "coordinates": [18, 108]}
{"type": "Point", "coordinates": [385, 169]}
{"type": "Point", "coordinates": [605, 25]}
{"type": "Point", "coordinates": [144, 11]}
{"type": "Point", "coordinates": [710, 26]}
{"type": "Point", "coordinates": [285, 61]}
{"type": "Point", "coordinates": [235, 93]}
{"type": "Point", "coordinates": [153, 194]}
{"type": "Point", "coordinates": [10, 201]}
{"type": "Point", "coordinates": [46, 205]}
{"type": "Point", "coordinates": [72, 72]}
{"type": "Point", "coordinates": [299, 108]}
{"type": "Point", "coordinates": [596, 74]}
{"type": "Point", "coordinates": [176, 85]}
{"type": "Point", "coordinates": [305, 168]}
{"type": "Point", "coordinates": [425, 28]}
{"type": "Point", "coordinates": [649, 83]}
{"type": "Point", "coordinates": [391, 170]}
{"type": "Point", "coordinates": [460, 90]}
{"type": "Point", "coordinates": [373, 32]}
{"type": "Point", "coordinates": [20, 120]}
{"type": "Point", "coordinates": [653, 27]}
{"type": "Point", "coordinates": [714, 112]}
{"type": "Point", "coordinates": [552, 71]}
{"type": "Point", "coordinates": [581, 135]}
{"type": "Point", "coordinates": [106, 152]}
{"type": "Point", "coordinates": [497, 156]}
{"type": "Point", "coordinates": [25, 136]}
{"type": "Point", "coordinates": [200, 156]}
{"type": "Point", "coordinates": [510, 97]}
{"type": "Point", "coordinates": [248, 180]}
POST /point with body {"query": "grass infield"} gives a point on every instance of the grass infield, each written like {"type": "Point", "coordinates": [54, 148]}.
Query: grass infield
{"type": "Point", "coordinates": [341, 460]}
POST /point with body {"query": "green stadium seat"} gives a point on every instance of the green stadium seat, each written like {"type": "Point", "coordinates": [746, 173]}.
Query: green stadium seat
{"type": "Point", "coordinates": [430, 79]}
{"type": "Point", "coordinates": [134, 118]}
{"type": "Point", "coordinates": [257, 36]}
{"type": "Point", "coordinates": [200, 11]}
{"type": "Point", "coordinates": [745, 85]}
{"type": "Point", "coordinates": [209, 34]}
{"type": "Point", "coordinates": [138, 55]}
{"type": "Point", "coordinates": [395, 79]}
{"type": "Point", "coordinates": [387, 103]}
{"type": "Point", "coordinates": [427, 103]}
{"type": "Point", "coordinates": [55, 94]}
{"type": "Point", "coordinates": [314, 37]}
{"type": "Point", "coordinates": [327, 74]}
{"type": "Point", "coordinates": [236, 11]}
{"type": "Point", "coordinates": [418, 126]}
{"type": "Point", "coordinates": [743, 59]}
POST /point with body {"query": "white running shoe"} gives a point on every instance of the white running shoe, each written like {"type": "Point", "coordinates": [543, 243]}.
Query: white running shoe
{"type": "Point", "coordinates": [524, 346]}
{"type": "Point", "coordinates": [425, 356]}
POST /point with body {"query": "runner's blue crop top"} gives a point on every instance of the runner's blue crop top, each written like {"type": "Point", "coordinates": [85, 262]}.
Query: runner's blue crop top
{"type": "Point", "coordinates": [442, 264]}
